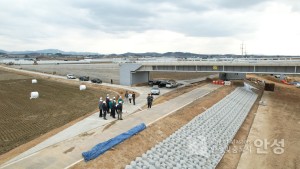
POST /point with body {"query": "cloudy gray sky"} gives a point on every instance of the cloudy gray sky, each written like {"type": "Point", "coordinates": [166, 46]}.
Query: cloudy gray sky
{"type": "Point", "coordinates": [111, 26]}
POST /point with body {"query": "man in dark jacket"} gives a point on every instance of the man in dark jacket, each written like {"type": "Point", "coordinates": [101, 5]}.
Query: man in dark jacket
{"type": "Point", "coordinates": [149, 100]}
{"type": "Point", "coordinates": [113, 109]}
{"type": "Point", "coordinates": [133, 98]}
{"type": "Point", "coordinates": [119, 110]}
{"type": "Point", "coordinates": [104, 109]}
{"type": "Point", "coordinates": [107, 103]}
{"type": "Point", "coordinates": [100, 106]}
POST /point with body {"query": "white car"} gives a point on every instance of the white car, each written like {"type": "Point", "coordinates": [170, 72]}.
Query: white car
{"type": "Point", "coordinates": [155, 90]}
{"type": "Point", "coordinates": [277, 76]}
{"type": "Point", "coordinates": [70, 76]}
{"type": "Point", "coordinates": [171, 84]}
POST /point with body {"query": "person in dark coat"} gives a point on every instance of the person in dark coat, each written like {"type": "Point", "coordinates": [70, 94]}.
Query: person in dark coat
{"type": "Point", "coordinates": [100, 106]}
{"type": "Point", "coordinates": [119, 110]}
{"type": "Point", "coordinates": [107, 103]}
{"type": "Point", "coordinates": [110, 105]}
{"type": "Point", "coordinates": [104, 109]}
{"type": "Point", "coordinates": [149, 101]}
{"type": "Point", "coordinates": [133, 98]}
{"type": "Point", "coordinates": [113, 109]}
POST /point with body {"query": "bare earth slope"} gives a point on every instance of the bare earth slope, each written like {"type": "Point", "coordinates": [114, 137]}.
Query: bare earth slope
{"type": "Point", "coordinates": [278, 119]}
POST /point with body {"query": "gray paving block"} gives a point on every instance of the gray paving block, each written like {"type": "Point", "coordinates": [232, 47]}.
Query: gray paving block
{"type": "Point", "coordinates": [194, 145]}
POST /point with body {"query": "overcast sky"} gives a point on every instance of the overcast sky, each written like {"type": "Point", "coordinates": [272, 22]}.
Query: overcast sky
{"type": "Point", "coordinates": [110, 26]}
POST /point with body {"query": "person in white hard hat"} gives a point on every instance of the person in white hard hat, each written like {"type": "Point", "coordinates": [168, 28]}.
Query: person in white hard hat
{"type": "Point", "coordinates": [104, 108]}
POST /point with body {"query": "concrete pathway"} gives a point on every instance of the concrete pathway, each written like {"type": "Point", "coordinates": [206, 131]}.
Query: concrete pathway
{"type": "Point", "coordinates": [63, 154]}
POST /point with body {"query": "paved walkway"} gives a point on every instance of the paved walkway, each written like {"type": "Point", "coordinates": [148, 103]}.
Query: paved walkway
{"type": "Point", "coordinates": [62, 154]}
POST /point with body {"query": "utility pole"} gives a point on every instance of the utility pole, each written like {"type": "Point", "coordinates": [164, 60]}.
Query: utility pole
{"type": "Point", "coordinates": [242, 48]}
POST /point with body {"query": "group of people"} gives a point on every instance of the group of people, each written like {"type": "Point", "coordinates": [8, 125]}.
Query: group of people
{"type": "Point", "coordinates": [130, 96]}
{"type": "Point", "coordinates": [111, 106]}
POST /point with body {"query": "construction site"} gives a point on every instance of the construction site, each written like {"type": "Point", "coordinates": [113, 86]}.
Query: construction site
{"type": "Point", "coordinates": [220, 116]}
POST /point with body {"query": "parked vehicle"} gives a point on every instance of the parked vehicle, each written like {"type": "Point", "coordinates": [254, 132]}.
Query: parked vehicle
{"type": "Point", "coordinates": [70, 76]}
{"type": "Point", "coordinates": [277, 76]}
{"type": "Point", "coordinates": [171, 84]}
{"type": "Point", "coordinates": [155, 90]}
{"type": "Point", "coordinates": [150, 82]}
{"type": "Point", "coordinates": [84, 78]}
{"type": "Point", "coordinates": [96, 80]}
{"type": "Point", "coordinates": [162, 84]}
{"type": "Point", "coordinates": [156, 82]}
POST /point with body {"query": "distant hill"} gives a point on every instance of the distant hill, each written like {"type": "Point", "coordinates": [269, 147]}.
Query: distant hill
{"type": "Point", "coordinates": [154, 54]}
{"type": "Point", "coordinates": [59, 53]}
{"type": "Point", "coordinates": [48, 51]}
{"type": "Point", "coordinates": [128, 54]}
{"type": "Point", "coordinates": [2, 51]}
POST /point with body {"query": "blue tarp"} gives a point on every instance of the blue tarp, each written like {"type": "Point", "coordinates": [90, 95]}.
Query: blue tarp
{"type": "Point", "coordinates": [102, 147]}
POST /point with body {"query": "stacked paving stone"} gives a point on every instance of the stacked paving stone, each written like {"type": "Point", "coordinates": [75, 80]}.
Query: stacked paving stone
{"type": "Point", "coordinates": [203, 141]}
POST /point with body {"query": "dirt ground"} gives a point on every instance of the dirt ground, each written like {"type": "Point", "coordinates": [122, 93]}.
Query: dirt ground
{"type": "Point", "coordinates": [104, 71]}
{"type": "Point", "coordinates": [278, 118]}
{"type": "Point", "coordinates": [124, 153]}
{"type": "Point", "coordinates": [272, 79]}
{"type": "Point", "coordinates": [23, 120]}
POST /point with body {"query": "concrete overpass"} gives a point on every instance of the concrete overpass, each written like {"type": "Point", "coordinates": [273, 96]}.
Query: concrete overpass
{"type": "Point", "coordinates": [132, 73]}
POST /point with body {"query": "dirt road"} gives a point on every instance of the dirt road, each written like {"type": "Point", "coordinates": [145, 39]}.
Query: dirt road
{"type": "Point", "coordinates": [274, 137]}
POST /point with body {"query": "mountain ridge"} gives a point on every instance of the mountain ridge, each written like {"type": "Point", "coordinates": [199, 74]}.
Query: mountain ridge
{"type": "Point", "coordinates": [48, 51]}
{"type": "Point", "coordinates": [58, 52]}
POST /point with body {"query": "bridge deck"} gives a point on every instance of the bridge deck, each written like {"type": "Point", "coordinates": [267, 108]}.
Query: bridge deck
{"type": "Point", "coordinates": [268, 66]}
